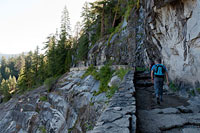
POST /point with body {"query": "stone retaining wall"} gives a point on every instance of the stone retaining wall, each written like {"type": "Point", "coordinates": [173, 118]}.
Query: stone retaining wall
{"type": "Point", "coordinates": [120, 115]}
{"type": "Point", "coordinates": [98, 67]}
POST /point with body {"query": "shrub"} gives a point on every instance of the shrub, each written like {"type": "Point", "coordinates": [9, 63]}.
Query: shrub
{"type": "Point", "coordinates": [43, 98]}
{"type": "Point", "coordinates": [198, 90]}
{"type": "Point", "coordinates": [88, 126]}
{"type": "Point", "coordinates": [173, 87]}
{"type": "Point", "coordinates": [192, 92]}
{"type": "Point", "coordinates": [104, 76]}
{"type": "Point", "coordinates": [43, 129]}
{"type": "Point", "coordinates": [111, 91]}
{"type": "Point", "coordinates": [90, 71]}
{"type": "Point", "coordinates": [50, 82]}
{"type": "Point", "coordinates": [140, 69]}
{"type": "Point", "coordinates": [122, 72]}
{"type": "Point", "coordinates": [115, 31]}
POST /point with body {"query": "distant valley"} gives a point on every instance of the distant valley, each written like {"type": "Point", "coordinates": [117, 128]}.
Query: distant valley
{"type": "Point", "coordinates": [7, 55]}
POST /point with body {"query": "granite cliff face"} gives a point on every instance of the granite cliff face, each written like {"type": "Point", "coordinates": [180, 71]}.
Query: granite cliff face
{"type": "Point", "coordinates": [169, 29]}
{"type": "Point", "coordinates": [172, 30]}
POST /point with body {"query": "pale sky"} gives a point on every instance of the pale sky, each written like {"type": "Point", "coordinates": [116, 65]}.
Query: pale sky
{"type": "Point", "coordinates": [24, 24]}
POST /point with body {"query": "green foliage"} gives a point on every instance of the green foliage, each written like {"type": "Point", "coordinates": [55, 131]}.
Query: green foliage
{"type": "Point", "coordinates": [128, 10]}
{"type": "Point", "coordinates": [56, 60]}
{"type": "Point", "coordinates": [111, 91]}
{"type": "Point", "coordinates": [116, 30]}
{"type": "Point", "coordinates": [43, 98]}
{"type": "Point", "coordinates": [70, 130]}
{"type": "Point", "coordinates": [138, 4]}
{"type": "Point", "coordinates": [43, 129]}
{"type": "Point", "coordinates": [104, 76]}
{"type": "Point", "coordinates": [198, 90]}
{"type": "Point", "coordinates": [111, 30]}
{"type": "Point", "coordinates": [173, 87]}
{"type": "Point", "coordinates": [140, 69]}
{"type": "Point", "coordinates": [50, 82]}
{"type": "Point", "coordinates": [122, 72]}
{"type": "Point", "coordinates": [83, 47]}
{"type": "Point", "coordinates": [4, 88]}
{"type": "Point", "coordinates": [90, 71]}
{"type": "Point", "coordinates": [192, 92]}
{"type": "Point", "coordinates": [88, 126]}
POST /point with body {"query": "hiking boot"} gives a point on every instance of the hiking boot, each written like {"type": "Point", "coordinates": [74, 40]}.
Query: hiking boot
{"type": "Point", "coordinates": [158, 101]}
{"type": "Point", "coordinates": [161, 98]}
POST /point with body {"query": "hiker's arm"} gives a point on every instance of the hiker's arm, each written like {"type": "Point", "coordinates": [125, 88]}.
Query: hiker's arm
{"type": "Point", "coordinates": [152, 76]}
{"type": "Point", "coordinates": [167, 77]}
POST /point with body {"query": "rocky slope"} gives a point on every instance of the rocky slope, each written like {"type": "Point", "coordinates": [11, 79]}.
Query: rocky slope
{"type": "Point", "coordinates": [70, 107]}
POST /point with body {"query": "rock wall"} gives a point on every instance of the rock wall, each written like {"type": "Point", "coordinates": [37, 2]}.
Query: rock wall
{"type": "Point", "coordinates": [120, 116]}
{"type": "Point", "coordinates": [119, 47]}
{"type": "Point", "coordinates": [172, 29]}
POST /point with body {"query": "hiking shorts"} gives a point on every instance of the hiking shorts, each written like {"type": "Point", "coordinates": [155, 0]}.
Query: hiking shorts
{"type": "Point", "coordinates": [158, 86]}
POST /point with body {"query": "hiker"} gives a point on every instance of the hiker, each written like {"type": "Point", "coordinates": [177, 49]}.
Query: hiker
{"type": "Point", "coordinates": [158, 73]}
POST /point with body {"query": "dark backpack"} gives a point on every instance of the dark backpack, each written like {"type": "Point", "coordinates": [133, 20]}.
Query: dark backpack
{"type": "Point", "coordinates": [159, 70]}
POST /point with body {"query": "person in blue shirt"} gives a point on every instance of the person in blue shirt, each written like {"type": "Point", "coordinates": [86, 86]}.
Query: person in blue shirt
{"type": "Point", "coordinates": [158, 74]}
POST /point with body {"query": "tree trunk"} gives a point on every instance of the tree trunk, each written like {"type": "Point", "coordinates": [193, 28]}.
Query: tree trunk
{"type": "Point", "coordinates": [113, 24]}
{"type": "Point", "coordinates": [102, 22]}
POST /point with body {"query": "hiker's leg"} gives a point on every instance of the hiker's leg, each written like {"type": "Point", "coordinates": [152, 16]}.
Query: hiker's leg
{"type": "Point", "coordinates": [161, 89]}
{"type": "Point", "coordinates": [156, 87]}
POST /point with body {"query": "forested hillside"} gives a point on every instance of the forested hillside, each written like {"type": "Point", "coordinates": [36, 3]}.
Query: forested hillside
{"type": "Point", "coordinates": [101, 19]}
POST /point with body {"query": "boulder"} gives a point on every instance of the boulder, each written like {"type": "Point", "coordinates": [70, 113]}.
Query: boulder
{"type": "Point", "coordinates": [115, 81]}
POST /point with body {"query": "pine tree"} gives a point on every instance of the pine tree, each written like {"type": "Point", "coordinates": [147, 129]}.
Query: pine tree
{"type": "Point", "coordinates": [42, 70]}
{"type": "Point", "coordinates": [3, 67]}
{"type": "Point", "coordinates": [51, 55]}
{"type": "Point", "coordinates": [65, 24]}
{"type": "Point", "coordinates": [88, 17]}
{"type": "Point", "coordinates": [35, 64]}
{"type": "Point", "coordinates": [26, 76]}
{"type": "Point", "coordinates": [4, 88]}
{"type": "Point", "coordinates": [12, 83]}
{"type": "Point", "coordinates": [64, 44]}
{"type": "Point", "coordinates": [20, 63]}
{"type": "Point", "coordinates": [77, 30]}
{"type": "Point", "coordinates": [21, 82]}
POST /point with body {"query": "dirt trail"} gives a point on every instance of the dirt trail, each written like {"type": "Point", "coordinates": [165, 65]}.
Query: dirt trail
{"type": "Point", "coordinates": [172, 115]}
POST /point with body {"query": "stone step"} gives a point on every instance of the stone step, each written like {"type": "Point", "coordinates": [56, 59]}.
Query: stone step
{"type": "Point", "coordinates": [142, 77]}
{"type": "Point", "coordinates": [139, 72]}
{"type": "Point", "coordinates": [143, 84]}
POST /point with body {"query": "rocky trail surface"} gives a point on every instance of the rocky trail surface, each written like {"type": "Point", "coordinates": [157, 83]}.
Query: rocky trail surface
{"type": "Point", "coordinates": [174, 115]}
